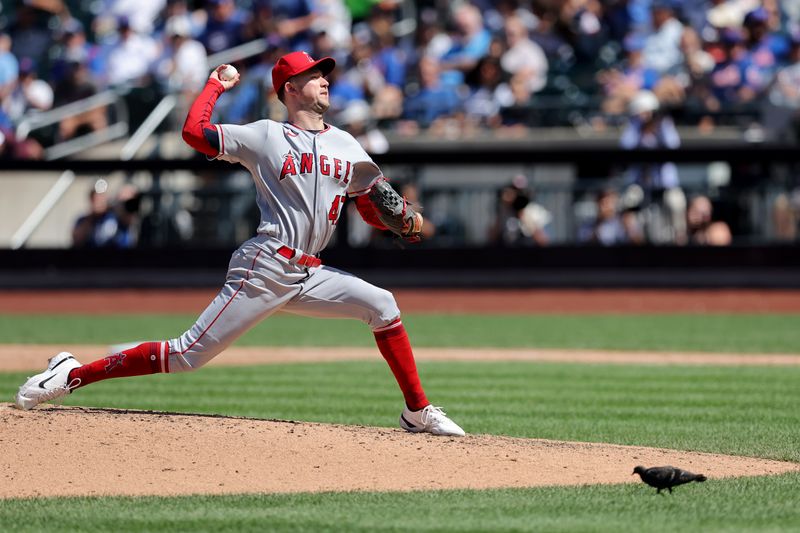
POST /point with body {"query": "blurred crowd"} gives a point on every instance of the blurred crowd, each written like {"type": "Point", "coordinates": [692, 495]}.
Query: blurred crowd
{"type": "Point", "coordinates": [612, 218]}
{"type": "Point", "coordinates": [452, 68]}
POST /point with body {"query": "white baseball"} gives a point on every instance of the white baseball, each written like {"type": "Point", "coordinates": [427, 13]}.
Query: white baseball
{"type": "Point", "coordinates": [228, 73]}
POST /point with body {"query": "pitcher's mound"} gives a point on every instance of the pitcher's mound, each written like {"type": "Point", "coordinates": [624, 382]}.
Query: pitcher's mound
{"type": "Point", "coordinates": [70, 451]}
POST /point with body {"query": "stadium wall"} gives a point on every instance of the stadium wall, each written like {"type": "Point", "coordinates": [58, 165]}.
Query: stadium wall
{"type": "Point", "coordinates": [584, 267]}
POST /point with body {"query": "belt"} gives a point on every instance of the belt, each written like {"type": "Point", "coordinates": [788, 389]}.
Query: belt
{"type": "Point", "coordinates": [302, 259]}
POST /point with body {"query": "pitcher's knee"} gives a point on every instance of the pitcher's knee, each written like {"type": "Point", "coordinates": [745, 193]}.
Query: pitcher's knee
{"type": "Point", "coordinates": [385, 309]}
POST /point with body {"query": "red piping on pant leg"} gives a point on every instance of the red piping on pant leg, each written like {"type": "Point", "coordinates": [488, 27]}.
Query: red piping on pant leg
{"type": "Point", "coordinates": [225, 306]}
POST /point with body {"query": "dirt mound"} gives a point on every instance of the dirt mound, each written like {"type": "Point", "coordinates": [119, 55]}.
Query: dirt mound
{"type": "Point", "coordinates": [70, 451]}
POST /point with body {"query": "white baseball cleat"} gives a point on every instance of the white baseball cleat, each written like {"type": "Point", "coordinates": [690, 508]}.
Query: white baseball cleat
{"type": "Point", "coordinates": [50, 384]}
{"type": "Point", "coordinates": [430, 420]}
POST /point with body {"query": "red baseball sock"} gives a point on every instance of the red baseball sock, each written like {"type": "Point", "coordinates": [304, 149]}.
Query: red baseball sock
{"type": "Point", "coordinates": [396, 349]}
{"type": "Point", "coordinates": [147, 358]}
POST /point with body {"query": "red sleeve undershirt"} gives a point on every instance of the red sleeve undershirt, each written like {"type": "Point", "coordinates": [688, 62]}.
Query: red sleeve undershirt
{"type": "Point", "coordinates": [367, 212]}
{"type": "Point", "coordinates": [199, 119]}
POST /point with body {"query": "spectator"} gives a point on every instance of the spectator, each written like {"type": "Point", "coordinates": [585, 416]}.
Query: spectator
{"type": "Point", "coordinates": [225, 26]}
{"type": "Point", "coordinates": [9, 67]}
{"type": "Point", "coordinates": [698, 64]}
{"type": "Point", "coordinates": [294, 20]}
{"type": "Point", "coordinates": [179, 9]}
{"type": "Point", "coordinates": [782, 115]}
{"type": "Point", "coordinates": [727, 81]}
{"type": "Point", "coordinates": [344, 89]}
{"type": "Point", "coordinates": [360, 79]}
{"type": "Point", "coordinates": [497, 47]}
{"type": "Point", "coordinates": [261, 23]}
{"type": "Point", "coordinates": [524, 56]}
{"type": "Point", "coordinates": [108, 225]}
{"type": "Point", "coordinates": [183, 64]}
{"type": "Point", "coordinates": [391, 60]}
{"type": "Point", "coordinates": [333, 18]}
{"type": "Point", "coordinates": [520, 220]}
{"type": "Point", "coordinates": [581, 22]}
{"type": "Point", "coordinates": [470, 43]}
{"type": "Point", "coordinates": [430, 38]}
{"type": "Point", "coordinates": [73, 46]}
{"type": "Point", "coordinates": [363, 70]}
{"type": "Point", "coordinates": [785, 91]}
{"type": "Point", "coordinates": [433, 100]}
{"type": "Point", "coordinates": [516, 116]}
{"type": "Point", "coordinates": [505, 210]}
{"type": "Point", "coordinates": [76, 85]}
{"type": "Point", "coordinates": [622, 83]}
{"type": "Point", "coordinates": [662, 47]}
{"type": "Point", "coordinates": [488, 93]}
{"type": "Point", "coordinates": [20, 93]}
{"type": "Point", "coordinates": [785, 216]}
{"type": "Point", "coordinates": [547, 35]}
{"type": "Point", "coordinates": [611, 226]}
{"type": "Point", "coordinates": [663, 202]}
{"type": "Point", "coordinates": [130, 55]}
{"type": "Point", "coordinates": [30, 93]}
{"type": "Point", "coordinates": [648, 128]}
{"type": "Point", "coordinates": [701, 229]}
{"type": "Point", "coordinates": [760, 58]}
{"type": "Point", "coordinates": [29, 34]}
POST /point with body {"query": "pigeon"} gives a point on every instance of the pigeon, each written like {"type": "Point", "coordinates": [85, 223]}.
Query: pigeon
{"type": "Point", "coordinates": [666, 477]}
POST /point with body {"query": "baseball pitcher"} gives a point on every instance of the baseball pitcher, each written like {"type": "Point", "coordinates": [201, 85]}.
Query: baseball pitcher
{"type": "Point", "coordinates": [304, 170]}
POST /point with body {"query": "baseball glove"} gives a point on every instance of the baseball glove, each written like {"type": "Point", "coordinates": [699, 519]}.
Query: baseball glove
{"type": "Point", "coordinates": [395, 212]}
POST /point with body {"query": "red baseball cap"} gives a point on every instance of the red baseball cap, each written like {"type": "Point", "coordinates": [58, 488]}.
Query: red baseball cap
{"type": "Point", "coordinates": [295, 63]}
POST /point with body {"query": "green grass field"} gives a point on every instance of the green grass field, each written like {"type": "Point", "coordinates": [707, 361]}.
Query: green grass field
{"type": "Point", "coordinates": [749, 504]}
{"type": "Point", "coordinates": [737, 410]}
{"type": "Point", "coordinates": [757, 333]}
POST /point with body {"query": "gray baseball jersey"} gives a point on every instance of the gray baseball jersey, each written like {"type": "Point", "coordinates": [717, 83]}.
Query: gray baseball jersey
{"type": "Point", "coordinates": [302, 179]}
